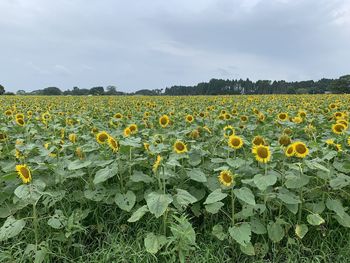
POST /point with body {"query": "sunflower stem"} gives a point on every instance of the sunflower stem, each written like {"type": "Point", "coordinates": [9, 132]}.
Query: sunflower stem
{"type": "Point", "coordinates": [233, 197]}
{"type": "Point", "coordinates": [301, 198]}
{"type": "Point", "coordinates": [35, 223]}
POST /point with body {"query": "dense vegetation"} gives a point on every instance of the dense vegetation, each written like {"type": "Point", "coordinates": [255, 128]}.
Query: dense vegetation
{"type": "Point", "coordinates": [169, 179]}
{"type": "Point", "coordinates": [216, 87]}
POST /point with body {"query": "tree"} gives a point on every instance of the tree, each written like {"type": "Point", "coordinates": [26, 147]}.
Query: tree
{"type": "Point", "coordinates": [2, 89]}
{"type": "Point", "coordinates": [21, 92]}
{"type": "Point", "coordinates": [341, 85]}
{"type": "Point", "coordinates": [97, 91]}
{"type": "Point", "coordinates": [111, 90]}
{"type": "Point", "coordinates": [52, 91]}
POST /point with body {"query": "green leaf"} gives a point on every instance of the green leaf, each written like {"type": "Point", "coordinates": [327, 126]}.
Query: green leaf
{"type": "Point", "coordinates": [275, 232]}
{"type": "Point", "coordinates": [105, 173]}
{"type": "Point", "coordinates": [218, 231]}
{"type": "Point", "coordinates": [245, 195]}
{"type": "Point", "coordinates": [336, 206]}
{"type": "Point", "coordinates": [296, 182]}
{"type": "Point", "coordinates": [340, 181]}
{"type": "Point", "coordinates": [125, 201]}
{"type": "Point", "coordinates": [301, 230]}
{"type": "Point", "coordinates": [58, 220]}
{"type": "Point", "coordinates": [264, 181]}
{"type": "Point", "coordinates": [241, 233]}
{"type": "Point", "coordinates": [138, 214]}
{"type": "Point", "coordinates": [214, 197]}
{"type": "Point", "coordinates": [343, 220]}
{"type": "Point", "coordinates": [11, 228]}
{"type": "Point", "coordinates": [288, 197]}
{"type": "Point", "coordinates": [194, 158]}
{"type": "Point", "coordinates": [248, 249]}
{"type": "Point", "coordinates": [77, 164]}
{"type": "Point", "coordinates": [154, 243]}
{"type": "Point", "coordinates": [197, 175]}
{"type": "Point", "coordinates": [139, 176]}
{"type": "Point", "coordinates": [30, 192]}
{"type": "Point", "coordinates": [316, 166]}
{"type": "Point", "coordinates": [157, 203]}
{"type": "Point", "coordinates": [257, 226]}
{"type": "Point", "coordinates": [315, 219]}
{"type": "Point", "coordinates": [184, 198]}
{"type": "Point", "coordinates": [213, 208]}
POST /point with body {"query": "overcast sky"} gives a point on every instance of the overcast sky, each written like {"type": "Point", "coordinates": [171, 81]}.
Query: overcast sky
{"type": "Point", "coordinates": [139, 44]}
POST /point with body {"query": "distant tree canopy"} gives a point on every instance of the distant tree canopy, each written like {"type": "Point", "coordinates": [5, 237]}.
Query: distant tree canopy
{"type": "Point", "coordinates": [2, 89]}
{"type": "Point", "coordinates": [215, 87]}
{"type": "Point", "coordinates": [51, 91]}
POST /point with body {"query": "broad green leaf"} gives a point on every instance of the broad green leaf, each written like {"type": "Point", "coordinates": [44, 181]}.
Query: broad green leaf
{"type": "Point", "coordinates": [245, 194]}
{"type": "Point", "coordinates": [315, 219]}
{"type": "Point", "coordinates": [184, 198]}
{"type": "Point", "coordinates": [257, 226]}
{"type": "Point", "coordinates": [340, 181]}
{"type": "Point", "coordinates": [248, 249]}
{"type": "Point", "coordinates": [197, 175]}
{"type": "Point", "coordinates": [344, 220]}
{"type": "Point", "coordinates": [336, 206]}
{"type": "Point", "coordinates": [301, 230]}
{"type": "Point", "coordinates": [215, 196]}
{"type": "Point", "coordinates": [105, 173]}
{"type": "Point", "coordinates": [125, 201]}
{"type": "Point", "coordinates": [275, 232]}
{"type": "Point", "coordinates": [157, 203]}
{"type": "Point", "coordinates": [218, 231]}
{"type": "Point", "coordinates": [264, 181]}
{"type": "Point", "coordinates": [288, 197]}
{"type": "Point", "coordinates": [295, 182]}
{"type": "Point", "coordinates": [194, 158]}
{"type": "Point", "coordinates": [316, 166]}
{"type": "Point", "coordinates": [139, 176]}
{"type": "Point", "coordinates": [213, 208]}
{"type": "Point", "coordinates": [138, 214]}
{"type": "Point", "coordinates": [11, 228]}
{"type": "Point", "coordinates": [153, 243]}
{"type": "Point", "coordinates": [78, 164]}
{"type": "Point", "coordinates": [58, 220]}
{"type": "Point", "coordinates": [241, 233]}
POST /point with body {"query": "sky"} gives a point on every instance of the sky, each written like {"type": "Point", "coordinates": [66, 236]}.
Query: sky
{"type": "Point", "coordinates": [139, 44]}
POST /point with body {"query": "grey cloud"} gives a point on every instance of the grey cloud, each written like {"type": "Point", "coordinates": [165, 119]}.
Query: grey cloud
{"type": "Point", "coordinates": [154, 44]}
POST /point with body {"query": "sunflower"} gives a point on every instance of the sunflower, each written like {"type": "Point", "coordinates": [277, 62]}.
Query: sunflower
{"type": "Point", "coordinates": [113, 144]}
{"type": "Point", "coordinates": [297, 120]}
{"type": "Point", "coordinates": [127, 132]}
{"type": "Point", "coordinates": [164, 121]}
{"type": "Point", "coordinates": [102, 137]}
{"type": "Point", "coordinates": [79, 152]}
{"type": "Point", "coordinates": [180, 147]}
{"type": "Point", "coordinates": [284, 140]}
{"type": "Point", "coordinates": [244, 118]}
{"type": "Point", "coordinates": [46, 117]}
{"type": "Point", "coordinates": [262, 153]}
{"type": "Point", "coordinates": [258, 140]}
{"type": "Point", "coordinates": [189, 118]}
{"type": "Point", "coordinates": [290, 151]}
{"type": "Point", "coordinates": [118, 116]}
{"type": "Point", "coordinates": [338, 147]}
{"type": "Point", "coordinates": [330, 141]}
{"type": "Point", "coordinates": [235, 142]}
{"type": "Point", "coordinates": [300, 149]}
{"type": "Point", "coordinates": [24, 173]}
{"type": "Point", "coordinates": [229, 131]}
{"type": "Point", "coordinates": [338, 128]}
{"type": "Point", "coordinates": [283, 116]}
{"type": "Point", "coordinates": [8, 112]}
{"type": "Point", "coordinates": [72, 137]}
{"type": "Point", "coordinates": [195, 134]}
{"type": "Point", "coordinates": [157, 163]}
{"type": "Point", "coordinates": [261, 117]}
{"type": "Point", "coordinates": [3, 136]}
{"type": "Point", "coordinates": [349, 141]}
{"type": "Point", "coordinates": [51, 154]}
{"type": "Point", "coordinates": [19, 116]}
{"type": "Point", "coordinates": [206, 128]}
{"type": "Point", "coordinates": [146, 146]}
{"type": "Point", "coordinates": [226, 178]}
{"type": "Point", "coordinates": [20, 122]}
{"type": "Point", "coordinates": [133, 128]}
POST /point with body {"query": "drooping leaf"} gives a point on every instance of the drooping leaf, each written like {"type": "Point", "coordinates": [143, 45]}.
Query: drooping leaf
{"type": "Point", "coordinates": [157, 203]}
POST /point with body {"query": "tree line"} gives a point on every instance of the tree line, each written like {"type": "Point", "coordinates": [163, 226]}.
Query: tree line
{"type": "Point", "coordinates": [213, 87]}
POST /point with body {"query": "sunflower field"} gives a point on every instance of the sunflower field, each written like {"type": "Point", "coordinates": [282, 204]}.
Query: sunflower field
{"type": "Point", "coordinates": [250, 176]}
